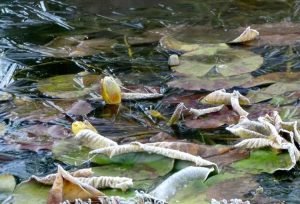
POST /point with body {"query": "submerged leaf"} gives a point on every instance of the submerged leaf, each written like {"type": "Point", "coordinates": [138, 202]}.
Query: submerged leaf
{"type": "Point", "coordinates": [172, 44]}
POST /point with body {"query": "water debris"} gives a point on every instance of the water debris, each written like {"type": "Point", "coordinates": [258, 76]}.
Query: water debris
{"type": "Point", "coordinates": [173, 60]}
{"type": "Point", "coordinates": [268, 131]}
{"type": "Point", "coordinates": [139, 147]}
{"type": "Point", "coordinates": [93, 140]}
{"type": "Point", "coordinates": [168, 188]}
{"type": "Point", "coordinates": [248, 35]}
{"type": "Point", "coordinates": [199, 112]}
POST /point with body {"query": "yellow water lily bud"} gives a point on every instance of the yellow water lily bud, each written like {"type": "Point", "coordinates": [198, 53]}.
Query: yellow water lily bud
{"type": "Point", "coordinates": [111, 91]}
{"type": "Point", "coordinates": [79, 125]}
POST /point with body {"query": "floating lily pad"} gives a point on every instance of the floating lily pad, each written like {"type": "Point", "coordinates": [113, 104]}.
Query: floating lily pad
{"type": "Point", "coordinates": [264, 160]}
{"type": "Point", "coordinates": [76, 46]}
{"type": "Point", "coordinates": [274, 90]}
{"type": "Point", "coordinates": [64, 86]}
{"type": "Point", "coordinates": [272, 78]}
{"type": "Point", "coordinates": [31, 192]}
{"type": "Point", "coordinates": [209, 83]}
{"type": "Point", "coordinates": [219, 59]}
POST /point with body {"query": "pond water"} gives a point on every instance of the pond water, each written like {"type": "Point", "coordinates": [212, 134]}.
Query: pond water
{"type": "Point", "coordinates": [121, 38]}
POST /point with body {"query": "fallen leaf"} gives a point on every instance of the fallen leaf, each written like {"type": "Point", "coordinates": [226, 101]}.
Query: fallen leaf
{"type": "Point", "coordinates": [213, 120]}
{"type": "Point", "coordinates": [248, 35]}
{"type": "Point", "coordinates": [7, 183]}
{"type": "Point", "coordinates": [80, 108]}
{"type": "Point", "coordinates": [66, 187]}
{"type": "Point", "coordinates": [171, 44]}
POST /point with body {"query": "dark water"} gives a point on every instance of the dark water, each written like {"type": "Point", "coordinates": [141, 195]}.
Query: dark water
{"type": "Point", "coordinates": [25, 26]}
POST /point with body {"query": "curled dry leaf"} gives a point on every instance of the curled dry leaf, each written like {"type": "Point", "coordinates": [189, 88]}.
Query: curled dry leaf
{"type": "Point", "coordinates": [93, 140]}
{"type": "Point", "coordinates": [248, 35]}
{"type": "Point", "coordinates": [77, 126]}
{"type": "Point", "coordinates": [176, 114]}
{"type": "Point", "coordinates": [111, 91]}
{"type": "Point", "coordinates": [199, 112]}
{"type": "Point", "coordinates": [122, 183]}
{"type": "Point", "coordinates": [67, 187]}
{"type": "Point", "coordinates": [173, 60]}
{"type": "Point", "coordinates": [268, 132]}
{"type": "Point", "coordinates": [236, 104]}
{"type": "Point", "coordinates": [221, 97]}
{"type": "Point", "coordinates": [138, 147]}
{"type": "Point", "coordinates": [49, 179]}
{"type": "Point", "coordinates": [168, 188]}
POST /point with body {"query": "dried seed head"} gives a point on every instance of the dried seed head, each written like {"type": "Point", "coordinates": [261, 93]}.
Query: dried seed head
{"type": "Point", "coordinates": [111, 91]}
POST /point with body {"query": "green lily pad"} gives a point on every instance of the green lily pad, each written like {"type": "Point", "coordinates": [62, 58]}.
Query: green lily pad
{"type": "Point", "coordinates": [272, 91]}
{"type": "Point", "coordinates": [31, 192]}
{"type": "Point", "coordinates": [219, 59]}
{"type": "Point", "coordinates": [264, 160]}
{"type": "Point", "coordinates": [64, 86]}
{"type": "Point", "coordinates": [209, 83]}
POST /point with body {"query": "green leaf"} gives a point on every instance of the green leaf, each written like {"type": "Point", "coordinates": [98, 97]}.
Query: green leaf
{"type": "Point", "coordinates": [64, 86]}
{"type": "Point", "coordinates": [264, 160]}
{"type": "Point", "coordinates": [218, 59]}
{"type": "Point", "coordinates": [31, 193]}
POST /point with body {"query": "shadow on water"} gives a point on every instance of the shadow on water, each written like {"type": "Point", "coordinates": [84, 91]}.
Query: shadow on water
{"type": "Point", "coordinates": [27, 26]}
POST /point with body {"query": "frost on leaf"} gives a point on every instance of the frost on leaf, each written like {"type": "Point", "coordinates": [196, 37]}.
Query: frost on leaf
{"type": "Point", "coordinates": [139, 147]}
{"type": "Point", "coordinates": [269, 131]}
{"type": "Point", "coordinates": [93, 140]}
{"type": "Point", "coordinates": [168, 188]}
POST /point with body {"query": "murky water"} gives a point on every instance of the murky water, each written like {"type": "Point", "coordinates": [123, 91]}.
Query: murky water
{"type": "Point", "coordinates": [26, 26]}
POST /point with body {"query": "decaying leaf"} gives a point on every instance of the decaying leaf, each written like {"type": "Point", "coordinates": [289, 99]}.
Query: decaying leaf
{"type": "Point", "coordinates": [138, 147]}
{"type": "Point", "coordinates": [221, 97]}
{"type": "Point", "coordinates": [93, 140]}
{"type": "Point", "coordinates": [199, 112]}
{"type": "Point", "coordinates": [66, 187]}
{"type": "Point", "coordinates": [49, 179]}
{"type": "Point", "coordinates": [111, 91]}
{"type": "Point", "coordinates": [248, 35]}
{"type": "Point", "coordinates": [268, 131]}
{"type": "Point", "coordinates": [77, 126]}
{"type": "Point", "coordinates": [235, 104]}
{"type": "Point", "coordinates": [171, 185]}
{"type": "Point", "coordinates": [176, 114]}
{"type": "Point", "coordinates": [122, 183]}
